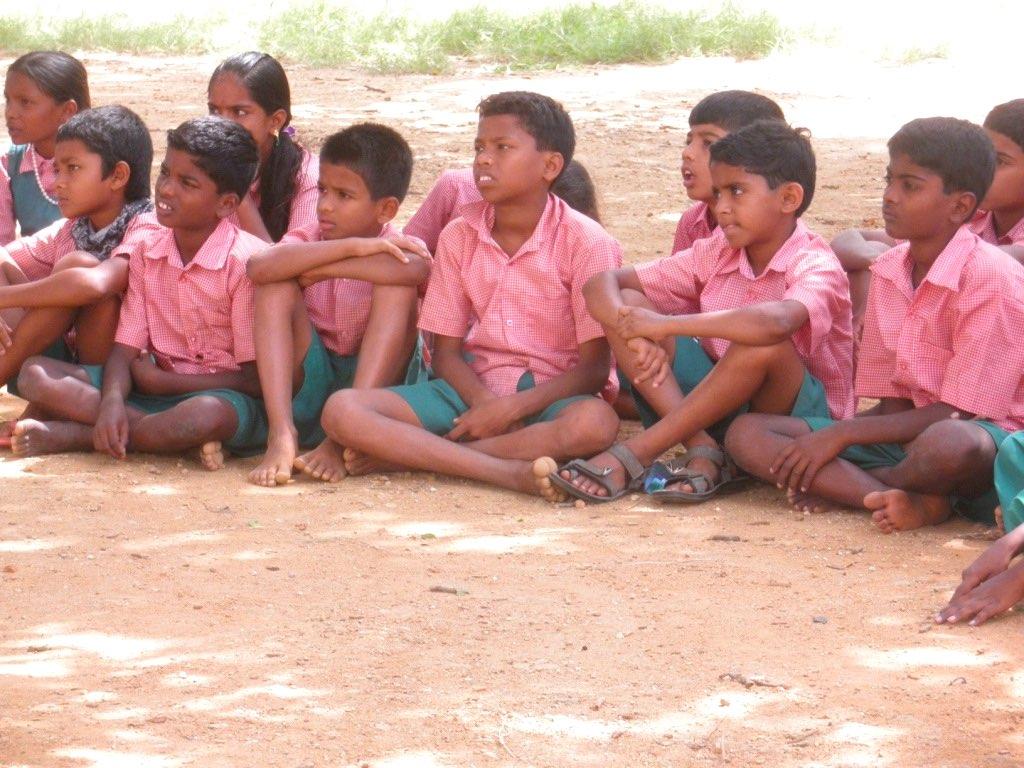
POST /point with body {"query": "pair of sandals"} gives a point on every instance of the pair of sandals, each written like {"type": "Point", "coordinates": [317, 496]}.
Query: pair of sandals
{"type": "Point", "coordinates": [657, 481]}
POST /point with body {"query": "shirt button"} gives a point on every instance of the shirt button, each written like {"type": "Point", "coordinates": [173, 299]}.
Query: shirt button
{"type": "Point", "coordinates": [508, 322]}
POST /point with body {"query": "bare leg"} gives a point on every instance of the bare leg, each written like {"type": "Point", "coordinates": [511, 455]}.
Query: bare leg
{"type": "Point", "coordinates": [769, 378]}
{"type": "Point", "coordinates": [202, 422]}
{"type": "Point", "coordinates": [380, 423]}
{"type": "Point", "coordinates": [384, 354]}
{"type": "Point", "coordinates": [280, 350]}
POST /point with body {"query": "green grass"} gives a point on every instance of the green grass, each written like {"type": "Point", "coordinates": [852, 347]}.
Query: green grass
{"type": "Point", "coordinates": [629, 31]}
{"type": "Point", "coordinates": [328, 34]}
{"type": "Point", "coordinates": [19, 34]}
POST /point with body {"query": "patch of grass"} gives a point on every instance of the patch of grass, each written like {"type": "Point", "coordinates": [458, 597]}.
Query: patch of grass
{"type": "Point", "coordinates": [629, 31]}
{"type": "Point", "coordinates": [20, 34]}
{"type": "Point", "coordinates": [916, 54]}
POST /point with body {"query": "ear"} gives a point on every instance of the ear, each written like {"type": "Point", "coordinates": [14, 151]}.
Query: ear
{"type": "Point", "coordinates": [387, 209]}
{"type": "Point", "coordinates": [962, 207]}
{"type": "Point", "coordinates": [278, 119]}
{"type": "Point", "coordinates": [791, 195]}
{"type": "Point", "coordinates": [120, 175]}
{"type": "Point", "coordinates": [553, 165]}
{"type": "Point", "coordinates": [69, 109]}
{"type": "Point", "coordinates": [227, 203]}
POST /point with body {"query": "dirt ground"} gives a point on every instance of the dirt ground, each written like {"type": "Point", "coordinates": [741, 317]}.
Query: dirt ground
{"type": "Point", "coordinates": [155, 615]}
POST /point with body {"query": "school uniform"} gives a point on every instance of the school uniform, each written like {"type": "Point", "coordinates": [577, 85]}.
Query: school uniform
{"type": "Point", "coordinates": [339, 311]}
{"type": "Point", "coordinates": [522, 317]}
{"type": "Point", "coordinates": [1009, 480]}
{"type": "Point", "coordinates": [194, 318]}
{"type": "Point", "coordinates": [22, 200]}
{"type": "Point", "coordinates": [714, 276]}
{"type": "Point", "coordinates": [452, 190]}
{"type": "Point", "coordinates": [694, 224]}
{"type": "Point", "coordinates": [983, 224]}
{"type": "Point", "coordinates": [954, 339]}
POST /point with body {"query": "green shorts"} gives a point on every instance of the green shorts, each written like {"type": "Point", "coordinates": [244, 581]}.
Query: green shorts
{"type": "Point", "coordinates": [436, 403]}
{"type": "Point", "coordinates": [691, 364]}
{"type": "Point", "coordinates": [324, 373]}
{"type": "Point", "coordinates": [248, 409]}
{"type": "Point", "coordinates": [1009, 480]}
{"type": "Point", "coordinates": [878, 455]}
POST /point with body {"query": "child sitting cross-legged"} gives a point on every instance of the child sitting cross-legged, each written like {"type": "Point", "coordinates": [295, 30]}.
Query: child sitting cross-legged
{"type": "Point", "coordinates": [756, 316]}
{"type": "Point", "coordinates": [941, 352]}
{"type": "Point", "coordinates": [354, 324]}
{"type": "Point", "coordinates": [517, 358]}
{"type": "Point", "coordinates": [182, 372]}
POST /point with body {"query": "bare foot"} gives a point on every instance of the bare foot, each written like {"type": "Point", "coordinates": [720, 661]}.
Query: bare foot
{"type": "Point", "coordinates": [276, 466]}
{"type": "Point", "coordinates": [358, 463]}
{"type": "Point", "coordinates": [325, 462]}
{"type": "Point", "coordinates": [211, 455]}
{"type": "Point", "coordinates": [542, 469]}
{"type": "Point", "coordinates": [32, 438]}
{"type": "Point", "coordinates": [806, 502]}
{"type": "Point", "coordinates": [7, 427]}
{"type": "Point", "coordinates": [897, 510]}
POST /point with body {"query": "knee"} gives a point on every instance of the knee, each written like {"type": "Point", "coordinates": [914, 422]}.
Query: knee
{"type": "Point", "coordinates": [590, 427]}
{"type": "Point", "coordinates": [34, 379]}
{"type": "Point", "coordinates": [209, 416]}
{"type": "Point", "coordinates": [339, 413]}
{"type": "Point", "coordinates": [954, 448]}
{"type": "Point", "coordinates": [740, 435]}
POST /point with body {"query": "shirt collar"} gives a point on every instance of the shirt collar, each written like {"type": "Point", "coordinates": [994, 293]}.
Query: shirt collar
{"type": "Point", "coordinates": [738, 260]}
{"type": "Point", "coordinates": [42, 163]}
{"type": "Point", "coordinates": [945, 271]}
{"type": "Point", "coordinates": [480, 216]}
{"type": "Point", "coordinates": [212, 255]}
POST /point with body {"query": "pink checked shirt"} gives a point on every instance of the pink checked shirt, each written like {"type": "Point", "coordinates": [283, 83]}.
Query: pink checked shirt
{"type": "Point", "coordinates": [984, 226]}
{"type": "Point", "coordinates": [450, 192]}
{"type": "Point", "coordinates": [712, 276]}
{"type": "Point", "coordinates": [303, 210]}
{"type": "Point", "coordinates": [47, 175]}
{"type": "Point", "coordinates": [956, 339]}
{"type": "Point", "coordinates": [693, 226]}
{"type": "Point", "coordinates": [339, 309]}
{"type": "Point", "coordinates": [194, 318]}
{"type": "Point", "coordinates": [520, 313]}
{"type": "Point", "coordinates": [37, 254]}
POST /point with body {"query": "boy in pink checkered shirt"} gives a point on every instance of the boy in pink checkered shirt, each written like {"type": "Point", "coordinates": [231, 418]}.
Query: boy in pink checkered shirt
{"type": "Point", "coordinates": [182, 373]}
{"type": "Point", "coordinates": [350, 293]}
{"type": "Point", "coordinates": [756, 317]}
{"type": "Point", "coordinates": [999, 219]}
{"type": "Point", "coordinates": [941, 351]}
{"type": "Point", "coordinates": [518, 360]}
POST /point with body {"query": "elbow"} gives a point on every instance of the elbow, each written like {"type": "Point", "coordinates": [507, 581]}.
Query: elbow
{"type": "Point", "coordinates": [259, 268]}
{"type": "Point", "coordinates": [419, 271]}
{"type": "Point", "coordinates": [780, 326]}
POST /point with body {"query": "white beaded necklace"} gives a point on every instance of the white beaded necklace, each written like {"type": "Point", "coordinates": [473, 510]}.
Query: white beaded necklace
{"type": "Point", "coordinates": [39, 181]}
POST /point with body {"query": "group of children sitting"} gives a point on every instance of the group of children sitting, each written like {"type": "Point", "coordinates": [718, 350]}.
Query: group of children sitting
{"type": "Point", "coordinates": [265, 303]}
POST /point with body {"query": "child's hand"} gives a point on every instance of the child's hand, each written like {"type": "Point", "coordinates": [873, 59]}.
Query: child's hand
{"type": "Point", "coordinates": [395, 247]}
{"type": "Point", "coordinates": [637, 321]}
{"type": "Point", "coordinates": [796, 465]}
{"type": "Point", "coordinates": [146, 376]}
{"type": "Point", "coordinates": [989, 564]}
{"type": "Point", "coordinates": [996, 594]}
{"type": "Point", "coordinates": [651, 360]}
{"type": "Point", "coordinates": [110, 435]}
{"type": "Point", "coordinates": [494, 416]}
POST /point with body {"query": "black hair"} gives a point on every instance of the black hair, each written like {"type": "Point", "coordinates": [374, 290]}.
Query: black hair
{"type": "Point", "coordinates": [57, 74]}
{"type": "Point", "coordinates": [224, 150]}
{"type": "Point", "coordinates": [378, 154]}
{"type": "Point", "coordinates": [577, 189]}
{"type": "Point", "coordinates": [267, 83]}
{"type": "Point", "coordinates": [771, 149]}
{"type": "Point", "coordinates": [959, 151]}
{"type": "Point", "coordinates": [116, 134]}
{"type": "Point", "coordinates": [733, 110]}
{"type": "Point", "coordinates": [540, 116]}
{"type": "Point", "coordinates": [1008, 119]}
